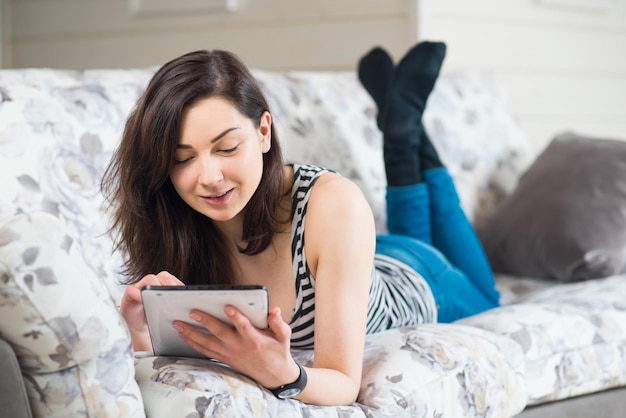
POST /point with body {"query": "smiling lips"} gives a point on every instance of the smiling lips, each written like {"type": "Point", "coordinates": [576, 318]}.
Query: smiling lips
{"type": "Point", "coordinates": [219, 199]}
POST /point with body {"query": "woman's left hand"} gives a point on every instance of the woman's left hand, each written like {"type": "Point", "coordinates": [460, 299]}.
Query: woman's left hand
{"type": "Point", "coordinates": [263, 355]}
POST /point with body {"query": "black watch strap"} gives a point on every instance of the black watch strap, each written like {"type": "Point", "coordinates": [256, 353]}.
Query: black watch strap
{"type": "Point", "coordinates": [291, 390]}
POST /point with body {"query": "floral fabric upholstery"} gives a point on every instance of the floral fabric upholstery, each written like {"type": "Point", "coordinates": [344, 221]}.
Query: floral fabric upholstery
{"type": "Point", "coordinates": [573, 337]}
{"type": "Point", "coordinates": [450, 370]}
{"type": "Point", "coordinates": [58, 130]}
{"type": "Point", "coordinates": [200, 388]}
{"type": "Point", "coordinates": [328, 119]}
{"type": "Point", "coordinates": [69, 338]}
{"type": "Point", "coordinates": [442, 370]}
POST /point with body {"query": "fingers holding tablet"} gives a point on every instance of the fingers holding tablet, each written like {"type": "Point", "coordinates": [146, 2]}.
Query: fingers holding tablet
{"type": "Point", "coordinates": [164, 305]}
{"type": "Point", "coordinates": [132, 308]}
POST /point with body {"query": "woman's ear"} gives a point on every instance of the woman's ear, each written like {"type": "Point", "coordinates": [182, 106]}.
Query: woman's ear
{"type": "Point", "coordinates": [265, 130]}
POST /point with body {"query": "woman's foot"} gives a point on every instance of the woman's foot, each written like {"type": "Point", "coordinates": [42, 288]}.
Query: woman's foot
{"type": "Point", "coordinates": [401, 96]}
{"type": "Point", "coordinates": [375, 70]}
{"type": "Point", "coordinates": [410, 86]}
{"type": "Point", "coordinates": [404, 135]}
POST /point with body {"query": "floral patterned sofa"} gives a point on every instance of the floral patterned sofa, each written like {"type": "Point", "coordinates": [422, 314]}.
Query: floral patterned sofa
{"type": "Point", "coordinates": [66, 352]}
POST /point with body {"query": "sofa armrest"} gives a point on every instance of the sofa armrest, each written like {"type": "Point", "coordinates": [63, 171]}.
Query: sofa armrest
{"type": "Point", "coordinates": [445, 370]}
{"type": "Point", "coordinates": [430, 370]}
{"type": "Point", "coordinates": [13, 398]}
{"type": "Point", "coordinates": [70, 341]}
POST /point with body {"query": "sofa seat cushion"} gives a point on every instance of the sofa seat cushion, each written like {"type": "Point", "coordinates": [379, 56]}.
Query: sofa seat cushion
{"type": "Point", "coordinates": [573, 337]}
{"type": "Point", "coordinates": [452, 370]}
{"type": "Point", "coordinates": [443, 370]}
{"type": "Point", "coordinates": [71, 343]}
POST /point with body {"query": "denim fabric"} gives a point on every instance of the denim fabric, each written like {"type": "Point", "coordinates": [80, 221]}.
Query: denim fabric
{"type": "Point", "coordinates": [408, 211]}
{"type": "Point", "coordinates": [453, 234]}
{"type": "Point", "coordinates": [429, 231]}
{"type": "Point", "coordinates": [456, 296]}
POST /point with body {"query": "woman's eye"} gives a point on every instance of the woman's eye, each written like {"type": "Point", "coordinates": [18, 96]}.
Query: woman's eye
{"type": "Point", "coordinates": [229, 150]}
{"type": "Point", "coordinates": [178, 161]}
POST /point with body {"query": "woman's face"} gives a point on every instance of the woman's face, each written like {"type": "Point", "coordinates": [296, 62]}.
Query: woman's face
{"type": "Point", "coordinates": [219, 160]}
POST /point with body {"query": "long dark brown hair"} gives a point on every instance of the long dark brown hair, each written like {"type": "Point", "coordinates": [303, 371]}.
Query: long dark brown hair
{"type": "Point", "coordinates": [152, 226]}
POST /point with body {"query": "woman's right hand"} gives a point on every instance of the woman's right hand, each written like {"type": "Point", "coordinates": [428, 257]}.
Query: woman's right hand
{"type": "Point", "coordinates": [132, 307]}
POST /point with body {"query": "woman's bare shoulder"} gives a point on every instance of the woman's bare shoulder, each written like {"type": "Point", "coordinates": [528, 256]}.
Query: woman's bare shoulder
{"type": "Point", "coordinates": [338, 188]}
{"type": "Point", "coordinates": [337, 201]}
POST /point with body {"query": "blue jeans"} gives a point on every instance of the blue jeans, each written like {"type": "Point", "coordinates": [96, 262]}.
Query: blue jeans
{"type": "Point", "coordinates": [429, 231]}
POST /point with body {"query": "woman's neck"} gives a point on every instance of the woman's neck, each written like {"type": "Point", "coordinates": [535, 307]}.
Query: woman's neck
{"type": "Point", "coordinates": [232, 230]}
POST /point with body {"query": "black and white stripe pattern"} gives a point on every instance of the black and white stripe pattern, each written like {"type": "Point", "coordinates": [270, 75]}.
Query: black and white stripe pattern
{"type": "Point", "coordinates": [303, 319]}
{"type": "Point", "coordinates": [399, 296]}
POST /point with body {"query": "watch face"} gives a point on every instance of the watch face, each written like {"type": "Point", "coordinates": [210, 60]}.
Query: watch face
{"type": "Point", "coordinates": [289, 393]}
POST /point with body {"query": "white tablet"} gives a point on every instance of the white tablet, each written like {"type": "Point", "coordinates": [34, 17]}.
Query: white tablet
{"type": "Point", "coordinates": [164, 304]}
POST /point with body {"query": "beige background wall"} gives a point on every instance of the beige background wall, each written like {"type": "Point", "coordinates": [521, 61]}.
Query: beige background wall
{"type": "Point", "coordinates": [562, 62]}
{"type": "Point", "coordinates": [272, 34]}
{"type": "Point", "coordinates": [5, 32]}
{"type": "Point", "coordinates": [2, 38]}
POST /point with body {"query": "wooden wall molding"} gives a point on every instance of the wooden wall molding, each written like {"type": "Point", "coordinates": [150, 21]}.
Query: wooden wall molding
{"type": "Point", "coordinates": [180, 7]}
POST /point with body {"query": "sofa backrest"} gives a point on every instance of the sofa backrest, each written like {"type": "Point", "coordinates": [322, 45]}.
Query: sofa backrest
{"type": "Point", "coordinates": [59, 128]}
{"type": "Point", "coordinates": [327, 118]}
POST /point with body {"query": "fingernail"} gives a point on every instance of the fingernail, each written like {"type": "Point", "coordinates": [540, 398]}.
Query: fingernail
{"type": "Point", "coordinates": [178, 327]}
{"type": "Point", "coordinates": [194, 316]}
{"type": "Point", "coordinates": [229, 311]}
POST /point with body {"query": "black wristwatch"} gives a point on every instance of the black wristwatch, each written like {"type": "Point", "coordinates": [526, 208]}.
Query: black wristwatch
{"type": "Point", "coordinates": [291, 390]}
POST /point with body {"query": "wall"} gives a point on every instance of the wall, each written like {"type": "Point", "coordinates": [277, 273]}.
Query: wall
{"type": "Point", "coordinates": [562, 62]}
{"type": "Point", "coordinates": [2, 38]}
{"type": "Point", "coordinates": [270, 34]}
{"type": "Point", "coordinates": [5, 33]}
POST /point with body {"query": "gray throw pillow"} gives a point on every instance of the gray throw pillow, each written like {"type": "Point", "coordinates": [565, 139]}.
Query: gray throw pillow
{"type": "Point", "coordinates": [566, 219]}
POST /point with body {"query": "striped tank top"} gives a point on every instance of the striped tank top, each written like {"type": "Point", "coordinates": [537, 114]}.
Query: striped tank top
{"type": "Point", "coordinates": [399, 296]}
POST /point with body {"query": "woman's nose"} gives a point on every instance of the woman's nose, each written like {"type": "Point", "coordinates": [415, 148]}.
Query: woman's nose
{"type": "Point", "coordinates": [211, 172]}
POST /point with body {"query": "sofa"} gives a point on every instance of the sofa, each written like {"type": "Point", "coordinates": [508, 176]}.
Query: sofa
{"type": "Point", "coordinates": [554, 348]}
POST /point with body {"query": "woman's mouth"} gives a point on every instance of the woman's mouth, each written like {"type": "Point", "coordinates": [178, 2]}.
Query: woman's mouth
{"type": "Point", "coordinates": [218, 199]}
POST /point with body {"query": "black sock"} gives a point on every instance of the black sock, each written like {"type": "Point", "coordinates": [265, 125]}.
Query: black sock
{"type": "Point", "coordinates": [375, 69]}
{"type": "Point", "coordinates": [401, 122]}
{"type": "Point", "coordinates": [428, 156]}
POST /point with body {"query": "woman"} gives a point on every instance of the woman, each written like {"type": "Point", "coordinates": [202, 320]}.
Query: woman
{"type": "Point", "coordinates": [201, 194]}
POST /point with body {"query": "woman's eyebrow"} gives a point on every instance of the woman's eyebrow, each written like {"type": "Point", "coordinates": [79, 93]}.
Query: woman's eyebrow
{"type": "Point", "coordinates": [214, 140]}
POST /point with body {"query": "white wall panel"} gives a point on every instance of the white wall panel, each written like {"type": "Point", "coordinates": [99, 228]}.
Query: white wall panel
{"type": "Point", "coordinates": [561, 62]}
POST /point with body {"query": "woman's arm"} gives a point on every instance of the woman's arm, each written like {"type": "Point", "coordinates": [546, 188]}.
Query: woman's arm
{"type": "Point", "coordinates": [341, 239]}
{"type": "Point", "coordinates": [340, 236]}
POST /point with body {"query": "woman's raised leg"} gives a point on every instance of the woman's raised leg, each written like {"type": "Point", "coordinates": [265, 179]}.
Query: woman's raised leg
{"type": "Point", "coordinates": [422, 201]}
